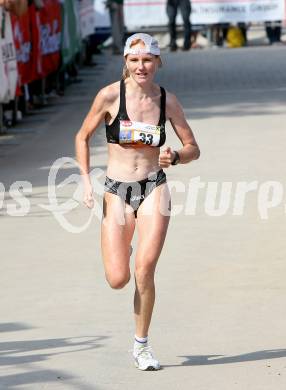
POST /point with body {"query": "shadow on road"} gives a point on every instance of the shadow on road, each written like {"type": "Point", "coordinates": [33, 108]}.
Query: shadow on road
{"type": "Point", "coordinates": [13, 326]}
{"type": "Point", "coordinates": [28, 353]}
{"type": "Point", "coordinates": [202, 360]}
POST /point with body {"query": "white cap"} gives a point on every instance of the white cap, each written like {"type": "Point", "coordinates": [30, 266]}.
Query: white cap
{"type": "Point", "coordinates": [151, 45]}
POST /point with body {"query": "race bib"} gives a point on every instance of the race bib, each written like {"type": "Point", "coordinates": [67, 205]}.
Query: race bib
{"type": "Point", "coordinates": [139, 133]}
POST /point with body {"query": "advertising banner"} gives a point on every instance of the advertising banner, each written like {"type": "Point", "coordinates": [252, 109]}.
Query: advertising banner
{"type": "Point", "coordinates": [87, 18]}
{"type": "Point", "coordinates": [50, 35]}
{"type": "Point", "coordinates": [3, 78]}
{"type": "Point", "coordinates": [36, 68]}
{"type": "Point", "coordinates": [71, 37]}
{"type": "Point", "coordinates": [209, 12]}
{"type": "Point", "coordinates": [23, 45]}
{"type": "Point", "coordinates": [8, 66]}
{"type": "Point", "coordinates": [144, 13]}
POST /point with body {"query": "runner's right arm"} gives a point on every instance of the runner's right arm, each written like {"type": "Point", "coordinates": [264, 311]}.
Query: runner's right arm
{"type": "Point", "coordinates": [91, 122]}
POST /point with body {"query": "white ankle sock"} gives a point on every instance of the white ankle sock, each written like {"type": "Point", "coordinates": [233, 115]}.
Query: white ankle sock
{"type": "Point", "coordinates": [140, 342]}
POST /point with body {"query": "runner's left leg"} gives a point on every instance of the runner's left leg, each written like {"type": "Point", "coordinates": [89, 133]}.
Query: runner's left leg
{"type": "Point", "coordinates": [152, 222]}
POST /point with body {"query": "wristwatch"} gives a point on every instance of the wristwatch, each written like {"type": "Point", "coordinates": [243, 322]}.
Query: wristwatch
{"type": "Point", "coordinates": [176, 158]}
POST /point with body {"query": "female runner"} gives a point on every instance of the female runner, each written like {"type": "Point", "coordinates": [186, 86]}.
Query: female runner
{"type": "Point", "coordinates": [135, 110]}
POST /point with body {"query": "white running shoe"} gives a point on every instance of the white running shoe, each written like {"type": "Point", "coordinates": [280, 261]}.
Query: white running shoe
{"type": "Point", "coordinates": [144, 359]}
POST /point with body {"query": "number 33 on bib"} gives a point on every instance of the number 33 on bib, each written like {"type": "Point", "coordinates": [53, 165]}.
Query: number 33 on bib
{"type": "Point", "coordinates": [139, 133]}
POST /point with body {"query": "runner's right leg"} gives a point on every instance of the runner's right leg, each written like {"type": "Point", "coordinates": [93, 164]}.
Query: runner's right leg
{"type": "Point", "coordinates": [117, 229]}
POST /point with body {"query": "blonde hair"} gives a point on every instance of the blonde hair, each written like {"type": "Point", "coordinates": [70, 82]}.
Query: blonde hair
{"type": "Point", "coordinates": [125, 72]}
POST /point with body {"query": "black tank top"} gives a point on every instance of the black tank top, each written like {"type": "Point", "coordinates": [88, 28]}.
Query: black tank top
{"type": "Point", "coordinates": [123, 131]}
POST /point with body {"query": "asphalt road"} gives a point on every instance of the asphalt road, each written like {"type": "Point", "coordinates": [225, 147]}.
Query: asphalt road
{"type": "Point", "coordinates": [219, 320]}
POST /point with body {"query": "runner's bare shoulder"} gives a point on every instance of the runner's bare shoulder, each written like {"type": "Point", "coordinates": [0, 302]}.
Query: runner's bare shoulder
{"type": "Point", "coordinates": [172, 105]}
{"type": "Point", "coordinates": [110, 98]}
{"type": "Point", "coordinates": [109, 94]}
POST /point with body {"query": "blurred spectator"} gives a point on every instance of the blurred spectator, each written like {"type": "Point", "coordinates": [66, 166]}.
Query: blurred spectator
{"type": "Point", "coordinates": [243, 27]}
{"type": "Point", "coordinates": [219, 33]}
{"type": "Point", "coordinates": [235, 37]}
{"type": "Point", "coordinates": [172, 9]}
{"type": "Point", "coordinates": [117, 24]}
{"type": "Point", "coordinates": [273, 31]}
{"type": "Point", "coordinates": [17, 7]}
{"type": "Point", "coordinates": [225, 34]}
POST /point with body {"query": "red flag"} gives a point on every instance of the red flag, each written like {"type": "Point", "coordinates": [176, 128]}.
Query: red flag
{"type": "Point", "coordinates": [23, 45]}
{"type": "Point", "coordinates": [50, 33]}
{"type": "Point", "coordinates": [36, 68]}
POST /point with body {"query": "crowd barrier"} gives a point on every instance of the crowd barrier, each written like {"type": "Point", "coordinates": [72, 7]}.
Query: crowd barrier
{"type": "Point", "coordinates": [38, 50]}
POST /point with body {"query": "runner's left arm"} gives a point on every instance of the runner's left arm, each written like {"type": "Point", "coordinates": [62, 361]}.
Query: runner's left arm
{"type": "Point", "coordinates": [190, 150]}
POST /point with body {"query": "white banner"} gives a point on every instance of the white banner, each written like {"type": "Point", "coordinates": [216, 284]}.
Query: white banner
{"type": "Point", "coordinates": [87, 17]}
{"type": "Point", "coordinates": [8, 63]}
{"type": "Point", "coordinates": [210, 12]}
{"type": "Point", "coordinates": [144, 13]}
{"type": "Point", "coordinates": [102, 18]}
{"type": "Point", "coordinates": [3, 79]}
